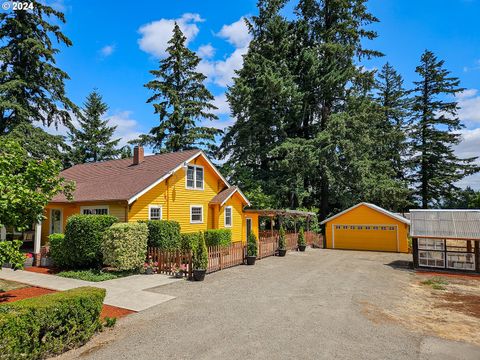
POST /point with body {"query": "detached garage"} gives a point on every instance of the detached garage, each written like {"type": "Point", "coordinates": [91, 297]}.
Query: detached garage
{"type": "Point", "coordinates": [367, 227]}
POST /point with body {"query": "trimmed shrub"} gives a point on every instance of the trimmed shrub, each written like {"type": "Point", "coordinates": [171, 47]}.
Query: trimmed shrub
{"type": "Point", "coordinates": [163, 234]}
{"type": "Point", "coordinates": [252, 246]}
{"type": "Point", "coordinates": [190, 241]}
{"type": "Point", "coordinates": [282, 245]}
{"type": "Point", "coordinates": [83, 239]}
{"type": "Point", "coordinates": [47, 325]}
{"type": "Point", "coordinates": [10, 253]}
{"type": "Point", "coordinates": [200, 256]}
{"type": "Point", "coordinates": [124, 246]}
{"type": "Point", "coordinates": [58, 251]}
{"type": "Point", "coordinates": [221, 237]}
{"type": "Point", "coordinates": [301, 237]}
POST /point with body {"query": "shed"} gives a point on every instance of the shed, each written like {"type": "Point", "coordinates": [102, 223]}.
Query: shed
{"type": "Point", "coordinates": [367, 226]}
{"type": "Point", "coordinates": [446, 239]}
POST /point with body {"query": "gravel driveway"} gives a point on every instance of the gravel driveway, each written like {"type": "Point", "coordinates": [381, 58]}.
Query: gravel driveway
{"type": "Point", "coordinates": [314, 305]}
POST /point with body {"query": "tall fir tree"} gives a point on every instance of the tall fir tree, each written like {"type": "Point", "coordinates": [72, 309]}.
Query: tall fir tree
{"type": "Point", "coordinates": [181, 100]}
{"type": "Point", "coordinates": [92, 141]}
{"type": "Point", "coordinates": [434, 166]}
{"type": "Point", "coordinates": [32, 88]}
{"type": "Point", "coordinates": [393, 100]}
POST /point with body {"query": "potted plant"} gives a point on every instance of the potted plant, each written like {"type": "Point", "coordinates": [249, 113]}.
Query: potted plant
{"type": "Point", "coordinates": [200, 260]}
{"type": "Point", "coordinates": [149, 267]}
{"type": "Point", "coordinates": [28, 259]}
{"type": "Point", "coordinates": [302, 245]}
{"type": "Point", "coordinates": [282, 246]}
{"type": "Point", "coordinates": [252, 249]}
{"type": "Point", "coordinates": [178, 271]}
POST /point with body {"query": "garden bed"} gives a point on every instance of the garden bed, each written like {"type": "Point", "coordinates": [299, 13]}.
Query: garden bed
{"type": "Point", "coordinates": [94, 275]}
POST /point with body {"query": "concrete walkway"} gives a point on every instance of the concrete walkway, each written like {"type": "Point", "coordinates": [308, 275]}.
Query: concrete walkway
{"type": "Point", "coordinates": [129, 292]}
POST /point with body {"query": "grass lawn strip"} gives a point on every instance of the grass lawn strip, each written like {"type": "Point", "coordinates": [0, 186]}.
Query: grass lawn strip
{"type": "Point", "coordinates": [94, 275]}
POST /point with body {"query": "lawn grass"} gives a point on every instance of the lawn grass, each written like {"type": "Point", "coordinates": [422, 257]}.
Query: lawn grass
{"type": "Point", "coordinates": [436, 283]}
{"type": "Point", "coordinates": [94, 275]}
{"type": "Point", "coordinates": [7, 285]}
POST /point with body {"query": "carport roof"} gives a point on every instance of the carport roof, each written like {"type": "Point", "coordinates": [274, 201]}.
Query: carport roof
{"type": "Point", "coordinates": [373, 207]}
{"type": "Point", "coordinates": [445, 224]}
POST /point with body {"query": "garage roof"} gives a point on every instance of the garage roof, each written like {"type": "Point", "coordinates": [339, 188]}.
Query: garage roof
{"type": "Point", "coordinates": [373, 207]}
{"type": "Point", "coordinates": [449, 224]}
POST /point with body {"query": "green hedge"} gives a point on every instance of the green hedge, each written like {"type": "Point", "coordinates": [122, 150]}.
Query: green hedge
{"type": "Point", "coordinates": [164, 234]}
{"type": "Point", "coordinates": [124, 246]}
{"type": "Point", "coordinates": [222, 237]}
{"type": "Point", "coordinates": [189, 241]}
{"type": "Point", "coordinates": [58, 251]}
{"type": "Point", "coordinates": [47, 325]}
{"type": "Point", "coordinates": [200, 254]}
{"type": "Point", "coordinates": [83, 239]}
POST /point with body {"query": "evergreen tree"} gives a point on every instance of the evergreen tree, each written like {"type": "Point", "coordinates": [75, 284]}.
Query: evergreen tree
{"type": "Point", "coordinates": [31, 86]}
{"type": "Point", "coordinates": [92, 141]}
{"type": "Point", "coordinates": [435, 167]}
{"type": "Point", "coordinates": [394, 103]}
{"type": "Point", "coordinates": [181, 100]}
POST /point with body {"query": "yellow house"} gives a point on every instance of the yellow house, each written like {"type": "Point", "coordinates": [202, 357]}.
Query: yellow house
{"type": "Point", "coordinates": [183, 186]}
{"type": "Point", "coordinates": [367, 227]}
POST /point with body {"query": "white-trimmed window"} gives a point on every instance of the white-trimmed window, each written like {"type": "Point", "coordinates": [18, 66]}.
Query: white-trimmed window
{"type": "Point", "coordinates": [431, 244]}
{"type": "Point", "coordinates": [228, 216]}
{"type": "Point", "coordinates": [94, 210]}
{"type": "Point", "coordinates": [154, 212]}
{"type": "Point", "coordinates": [196, 214]}
{"type": "Point", "coordinates": [431, 258]}
{"type": "Point", "coordinates": [194, 177]}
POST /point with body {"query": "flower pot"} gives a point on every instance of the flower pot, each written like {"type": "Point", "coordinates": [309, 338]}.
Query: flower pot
{"type": "Point", "coordinates": [148, 271]}
{"type": "Point", "coordinates": [282, 252]}
{"type": "Point", "coordinates": [28, 261]}
{"type": "Point", "coordinates": [179, 274]}
{"type": "Point", "coordinates": [199, 274]}
{"type": "Point", "coordinates": [302, 247]}
{"type": "Point", "coordinates": [251, 260]}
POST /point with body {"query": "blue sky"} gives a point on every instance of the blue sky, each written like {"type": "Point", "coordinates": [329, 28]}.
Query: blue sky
{"type": "Point", "coordinates": [115, 46]}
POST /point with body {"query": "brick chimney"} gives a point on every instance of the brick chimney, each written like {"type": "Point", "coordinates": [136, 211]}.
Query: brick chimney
{"type": "Point", "coordinates": [137, 155]}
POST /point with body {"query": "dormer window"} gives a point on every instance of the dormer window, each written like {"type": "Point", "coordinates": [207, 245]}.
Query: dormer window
{"type": "Point", "coordinates": [194, 177]}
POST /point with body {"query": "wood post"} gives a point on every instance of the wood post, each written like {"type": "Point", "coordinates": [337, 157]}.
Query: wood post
{"type": "Point", "coordinates": [477, 256]}
{"type": "Point", "coordinates": [415, 252]}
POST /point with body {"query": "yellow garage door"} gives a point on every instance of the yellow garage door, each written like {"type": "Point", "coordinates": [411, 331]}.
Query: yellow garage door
{"type": "Point", "coordinates": [365, 237]}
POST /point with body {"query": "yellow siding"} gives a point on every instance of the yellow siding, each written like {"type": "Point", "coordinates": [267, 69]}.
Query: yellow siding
{"type": "Point", "coordinates": [254, 218]}
{"type": "Point", "coordinates": [238, 222]}
{"type": "Point", "coordinates": [156, 196]}
{"type": "Point", "coordinates": [360, 239]}
{"type": "Point", "coordinates": [116, 209]}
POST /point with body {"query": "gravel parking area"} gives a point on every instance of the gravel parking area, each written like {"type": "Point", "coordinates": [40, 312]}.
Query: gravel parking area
{"type": "Point", "coordinates": [321, 304]}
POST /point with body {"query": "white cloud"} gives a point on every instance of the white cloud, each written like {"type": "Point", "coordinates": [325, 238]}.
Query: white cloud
{"type": "Point", "coordinates": [222, 105]}
{"type": "Point", "coordinates": [236, 33]}
{"type": "Point", "coordinates": [469, 147]}
{"type": "Point", "coordinates": [206, 51]}
{"type": "Point", "coordinates": [107, 50]}
{"type": "Point", "coordinates": [155, 35]}
{"type": "Point", "coordinates": [472, 68]}
{"type": "Point", "coordinates": [469, 102]}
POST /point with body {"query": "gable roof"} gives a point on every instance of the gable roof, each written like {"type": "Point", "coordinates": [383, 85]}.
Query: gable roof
{"type": "Point", "coordinates": [222, 197]}
{"type": "Point", "coordinates": [121, 180]}
{"type": "Point", "coordinates": [450, 224]}
{"type": "Point", "coordinates": [373, 207]}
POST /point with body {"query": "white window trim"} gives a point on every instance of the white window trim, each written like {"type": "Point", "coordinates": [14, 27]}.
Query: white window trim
{"type": "Point", "coordinates": [225, 216]}
{"type": "Point", "coordinates": [61, 220]}
{"type": "Point", "coordinates": [155, 207]}
{"type": "Point", "coordinates": [194, 177]}
{"type": "Point", "coordinates": [195, 206]}
{"type": "Point", "coordinates": [95, 207]}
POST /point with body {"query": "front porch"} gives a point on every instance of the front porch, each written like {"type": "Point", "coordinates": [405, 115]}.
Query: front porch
{"type": "Point", "coordinates": [32, 241]}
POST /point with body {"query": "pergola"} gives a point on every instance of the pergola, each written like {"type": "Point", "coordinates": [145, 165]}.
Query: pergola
{"type": "Point", "coordinates": [272, 213]}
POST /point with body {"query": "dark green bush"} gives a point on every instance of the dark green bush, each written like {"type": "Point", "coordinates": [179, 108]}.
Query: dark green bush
{"type": "Point", "coordinates": [164, 234]}
{"type": "Point", "coordinates": [221, 237]}
{"type": "Point", "coordinates": [47, 325]}
{"type": "Point", "coordinates": [83, 239]}
{"type": "Point", "coordinates": [252, 246]}
{"type": "Point", "coordinates": [190, 241]}
{"type": "Point", "coordinates": [200, 255]}
{"type": "Point", "coordinates": [58, 251]}
{"type": "Point", "coordinates": [282, 245]}
{"type": "Point", "coordinates": [301, 237]}
{"type": "Point", "coordinates": [124, 246]}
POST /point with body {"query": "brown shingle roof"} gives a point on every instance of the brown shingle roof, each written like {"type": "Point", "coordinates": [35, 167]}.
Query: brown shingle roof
{"type": "Point", "coordinates": [223, 195]}
{"type": "Point", "coordinates": [120, 179]}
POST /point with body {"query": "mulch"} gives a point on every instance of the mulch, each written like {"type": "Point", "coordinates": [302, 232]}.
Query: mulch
{"type": "Point", "coordinates": [451, 275]}
{"type": "Point", "coordinates": [33, 291]}
{"type": "Point", "coordinates": [465, 303]}
{"type": "Point", "coordinates": [41, 270]}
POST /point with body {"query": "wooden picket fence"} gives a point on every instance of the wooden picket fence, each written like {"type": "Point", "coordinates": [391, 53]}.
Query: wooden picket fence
{"type": "Point", "coordinates": [223, 257]}
{"type": "Point", "coordinates": [165, 261]}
